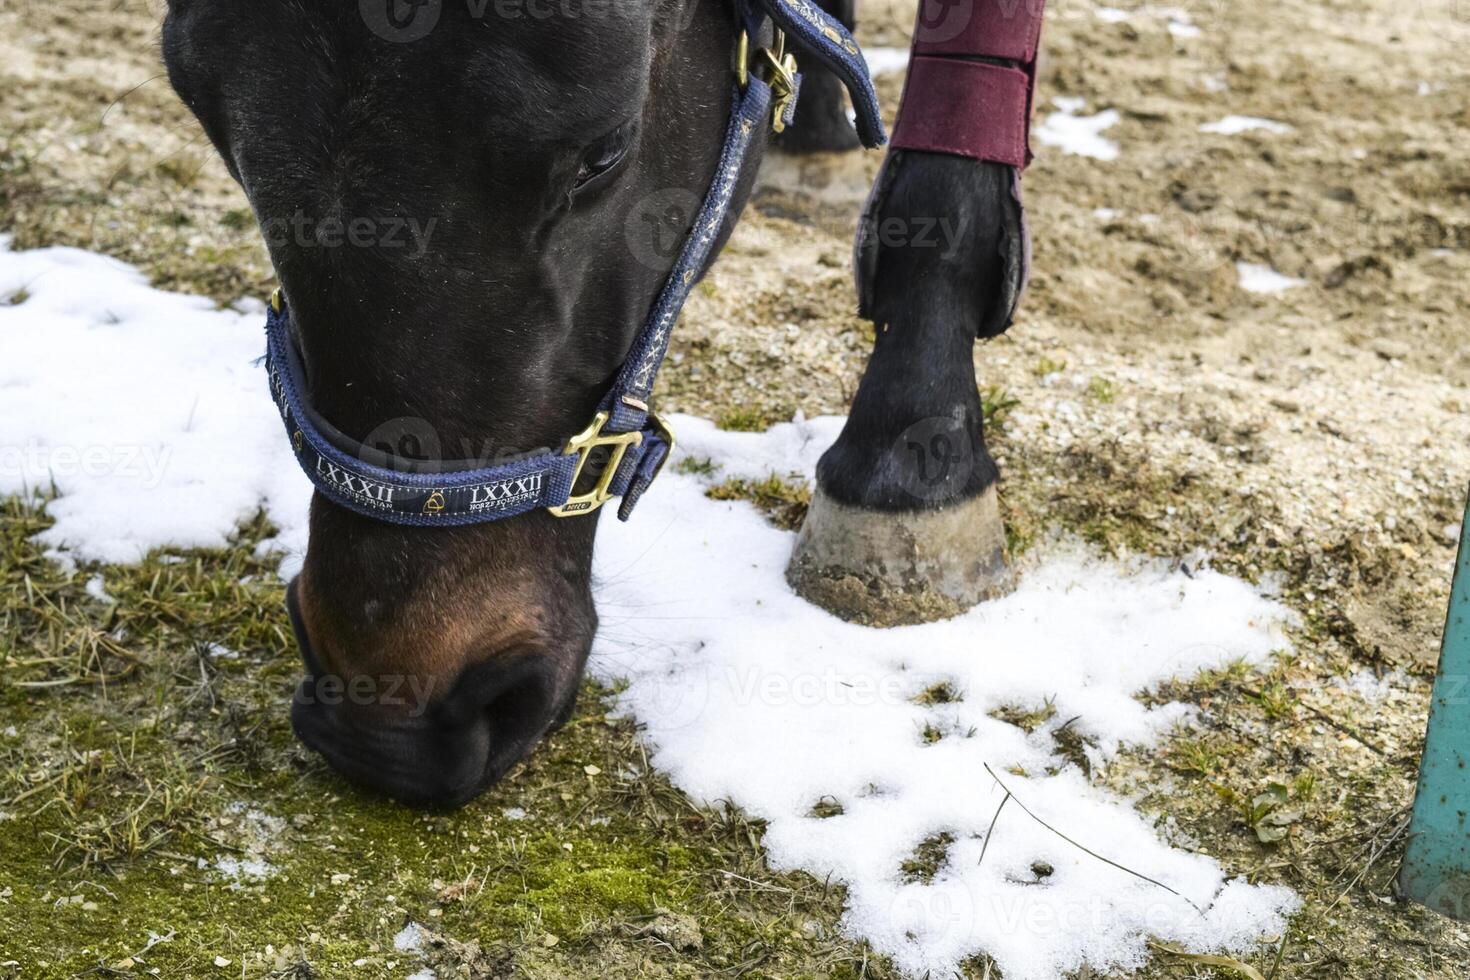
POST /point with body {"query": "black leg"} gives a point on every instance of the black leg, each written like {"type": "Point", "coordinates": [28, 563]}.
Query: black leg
{"type": "Point", "coordinates": [905, 524]}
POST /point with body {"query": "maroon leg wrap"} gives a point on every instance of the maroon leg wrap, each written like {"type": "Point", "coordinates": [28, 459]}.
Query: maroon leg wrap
{"type": "Point", "coordinates": [953, 104]}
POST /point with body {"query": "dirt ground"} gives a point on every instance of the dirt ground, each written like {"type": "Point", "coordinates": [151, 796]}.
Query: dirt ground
{"type": "Point", "coordinates": [1149, 404]}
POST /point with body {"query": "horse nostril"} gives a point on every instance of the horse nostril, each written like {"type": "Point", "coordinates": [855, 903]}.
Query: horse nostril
{"type": "Point", "coordinates": [511, 694]}
{"type": "Point", "coordinates": [445, 747]}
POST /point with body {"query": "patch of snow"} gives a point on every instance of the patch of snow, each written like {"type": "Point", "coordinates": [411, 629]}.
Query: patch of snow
{"type": "Point", "coordinates": [1105, 214]}
{"type": "Point", "coordinates": [1235, 125]}
{"type": "Point", "coordinates": [424, 974]}
{"type": "Point", "coordinates": [1372, 688]}
{"type": "Point", "coordinates": [410, 938]}
{"type": "Point", "coordinates": [240, 870]}
{"type": "Point", "coordinates": [257, 834]}
{"type": "Point", "coordinates": [96, 588]}
{"type": "Point", "coordinates": [515, 813]}
{"type": "Point", "coordinates": [218, 651]}
{"type": "Point", "coordinates": [745, 692]}
{"type": "Point", "coordinates": [1081, 135]}
{"type": "Point", "coordinates": [886, 61]}
{"type": "Point", "coordinates": [1451, 533]}
{"type": "Point", "coordinates": [174, 443]}
{"type": "Point", "coordinates": [1111, 15]}
{"type": "Point", "coordinates": [1264, 279]}
{"type": "Point", "coordinates": [1215, 82]}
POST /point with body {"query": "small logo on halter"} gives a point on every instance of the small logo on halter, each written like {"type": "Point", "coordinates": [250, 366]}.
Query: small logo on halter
{"type": "Point", "coordinates": [435, 504]}
{"type": "Point", "coordinates": [296, 441]}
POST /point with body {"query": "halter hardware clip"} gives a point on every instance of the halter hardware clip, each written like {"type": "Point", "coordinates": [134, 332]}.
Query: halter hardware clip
{"type": "Point", "coordinates": [581, 445]}
{"type": "Point", "coordinates": [782, 69]}
{"type": "Point", "coordinates": [782, 81]}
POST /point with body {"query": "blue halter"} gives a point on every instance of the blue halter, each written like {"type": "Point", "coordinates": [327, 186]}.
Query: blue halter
{"type": "Point", "coordinates": [636, 440]}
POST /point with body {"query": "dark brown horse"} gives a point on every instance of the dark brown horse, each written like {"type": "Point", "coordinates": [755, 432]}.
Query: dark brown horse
{"type": "Point", "coordinates": [530, 136]}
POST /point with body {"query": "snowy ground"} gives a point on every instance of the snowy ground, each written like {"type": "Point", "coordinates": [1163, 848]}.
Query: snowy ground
{"type": "Point", "coordinates": [147, 413]}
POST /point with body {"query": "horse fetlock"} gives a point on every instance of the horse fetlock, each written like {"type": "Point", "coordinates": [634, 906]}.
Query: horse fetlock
{"type": "Point", "coordinates": [887, 568]}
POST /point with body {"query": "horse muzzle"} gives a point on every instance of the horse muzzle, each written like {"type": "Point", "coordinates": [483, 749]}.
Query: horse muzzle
{"type": "Point", "coordinates": [395, 734]}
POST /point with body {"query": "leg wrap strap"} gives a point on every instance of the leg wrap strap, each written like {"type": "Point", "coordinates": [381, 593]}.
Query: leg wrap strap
{"type": "Point", "coordinates": [966, 107]}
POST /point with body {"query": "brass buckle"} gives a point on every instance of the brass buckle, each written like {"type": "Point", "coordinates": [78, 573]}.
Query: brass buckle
{"type": "Point", "coordinates": [782, 81]}
{"type": "Point", "coordinates": [782, 68]}
{"type": "Point", "coordinates": [581, 446]}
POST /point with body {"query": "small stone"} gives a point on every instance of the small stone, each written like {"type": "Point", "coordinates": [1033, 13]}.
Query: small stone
{"type": "Point", "coordinates": [549, 940]}
{"type": "Point", "coordinates": [592, 770]}
{"type": "Point", "coordinates": [221, 961]}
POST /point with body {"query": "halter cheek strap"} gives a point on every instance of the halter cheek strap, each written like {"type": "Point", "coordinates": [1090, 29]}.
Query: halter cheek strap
{"type": "Point", "coordinates": [954, 103]}
{"type": "Point", "coordinates": [627, 443]}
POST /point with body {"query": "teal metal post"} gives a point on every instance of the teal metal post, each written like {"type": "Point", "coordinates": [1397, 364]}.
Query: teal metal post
{"type": "Point", "coordinates": [1436, 869]}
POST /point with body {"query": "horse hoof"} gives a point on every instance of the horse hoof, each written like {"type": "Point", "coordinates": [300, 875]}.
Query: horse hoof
{"type": "Point", "coordinates": [887, 568]}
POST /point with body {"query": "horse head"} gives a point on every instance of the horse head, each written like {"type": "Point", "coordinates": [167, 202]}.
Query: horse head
{"type": "Point", "coordinates": [471, 208]}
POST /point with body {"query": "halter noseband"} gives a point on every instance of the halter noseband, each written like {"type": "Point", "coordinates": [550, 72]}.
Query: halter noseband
{"type": "Point", "coordinates": [636, 440]}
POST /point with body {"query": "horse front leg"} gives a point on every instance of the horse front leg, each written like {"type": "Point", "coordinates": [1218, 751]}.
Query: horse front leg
{"type": "Point", "coordinates": [905, 523]}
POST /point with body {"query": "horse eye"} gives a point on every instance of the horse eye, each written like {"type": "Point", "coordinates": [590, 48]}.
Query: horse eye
{"type": "Point", "coordinates": [605, 154]}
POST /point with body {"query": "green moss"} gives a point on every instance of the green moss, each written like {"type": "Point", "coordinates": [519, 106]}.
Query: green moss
{"type": "Point", "coordinates": [784, 501]}
{"type": "Point", "coordinates": [147, 725]}
{"type": "Point", "coordinates": [746, 418]}
{"type": "Point", "coordinates": [929, 858]}
{"type": "Point", "coordinates": [996, 403]}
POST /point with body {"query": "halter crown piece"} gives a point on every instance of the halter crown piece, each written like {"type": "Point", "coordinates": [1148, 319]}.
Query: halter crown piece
{"type": "Point", "coordinates": [631, 440]}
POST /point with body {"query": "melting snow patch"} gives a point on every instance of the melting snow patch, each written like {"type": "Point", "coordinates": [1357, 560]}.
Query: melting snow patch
{"type": "Point", "coordinates": [1078, 134]}
{"type": "Point", "coordinates": [174, 443]}
{"type": "Point", "coordinates": [1235, 125]}
{"type": "Point", "coordinates": [1111, 15]}
{"type": "Point", "coordinates": [751, 695]}
{"type": "Point", "coordinates": [746, 693]}
{"type": "Point", "coordinates": [257, 834]}
{"type": "Point", "coordinates": [410, 938]}
{"type": "Point", "coordinates": [1371, 687]}
{"type": "Point", "coordinates": [1264, 279]}
{"type": "Point", "coordinates": [97, 589]}
{"type": "Point", "coordinates": [240, 870]}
